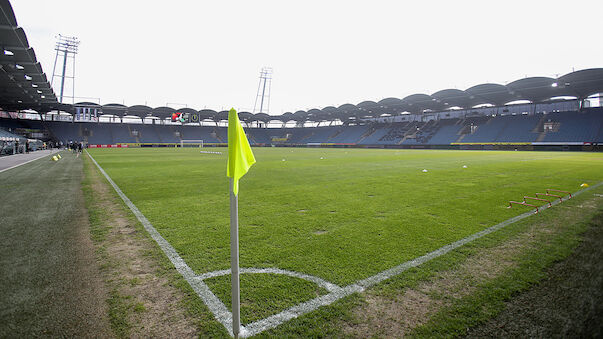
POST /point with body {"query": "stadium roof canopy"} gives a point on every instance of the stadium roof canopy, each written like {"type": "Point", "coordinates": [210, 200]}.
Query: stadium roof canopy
{"type": "Point", "coordinates": [533, 89]}
{"type": "Point", "coordinates": [23, 84]}
{"type": "Point", "coordinates": [582, 83]}
{"type": "Point", "coordinates": [207, 114]}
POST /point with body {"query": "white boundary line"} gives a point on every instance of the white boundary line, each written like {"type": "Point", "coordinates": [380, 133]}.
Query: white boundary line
{"type": "Point", "coordinates": [214, 304]}
{"type": "Point", "coordinates": [318, 281]}
{"type": "Point", "coordinates": [28, 161]}
{"type": "Point", "coordinates": [335, 292]}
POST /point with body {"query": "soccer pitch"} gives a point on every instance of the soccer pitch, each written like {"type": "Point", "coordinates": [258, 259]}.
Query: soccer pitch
{"type": "Point", "coordinates": [341, 215]}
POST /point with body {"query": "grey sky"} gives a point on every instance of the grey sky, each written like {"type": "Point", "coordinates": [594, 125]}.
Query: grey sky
{"type": "Point", "coordinates": [209, 53]}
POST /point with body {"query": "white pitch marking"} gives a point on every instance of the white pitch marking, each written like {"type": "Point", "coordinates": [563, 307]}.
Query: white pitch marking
{"type": "Point", "coordinates": [225, 317]}
{"type": "Point", "coordinates": [209, 298]}
{"type": "Point", "coordinates": [28, 161]}
{"type": "Point", "coordinates": [318, 281]}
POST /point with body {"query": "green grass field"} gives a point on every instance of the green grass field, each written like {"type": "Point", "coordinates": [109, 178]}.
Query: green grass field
{"type": "Point", "coordinates": [338, 214]}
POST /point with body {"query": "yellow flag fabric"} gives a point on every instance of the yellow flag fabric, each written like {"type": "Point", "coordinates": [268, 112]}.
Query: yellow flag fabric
{"type": "Point", "coordinates": [240, 157]}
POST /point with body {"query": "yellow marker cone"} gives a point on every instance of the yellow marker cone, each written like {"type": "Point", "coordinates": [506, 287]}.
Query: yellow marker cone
{"type": "Point", "coordinates": [59, 156]}
{"type": "Point", "coordinates": [584, 185]}
{"type": "Point", "coordinates": [54, 158]}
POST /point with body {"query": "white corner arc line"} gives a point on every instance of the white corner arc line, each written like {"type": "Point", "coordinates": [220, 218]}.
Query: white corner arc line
{"type": "Point", "coordinates": [335, 292]}
{"type": "Point", "coordinates": [318, 281]}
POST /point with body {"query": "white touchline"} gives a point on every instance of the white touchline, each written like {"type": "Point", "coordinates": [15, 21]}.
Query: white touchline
{"type": "Point", "coordinates": [335, 292]}
{"type": "Point", "coordinates": [28, 161]}
{"type": "Point", "coordinates": [213, 303]}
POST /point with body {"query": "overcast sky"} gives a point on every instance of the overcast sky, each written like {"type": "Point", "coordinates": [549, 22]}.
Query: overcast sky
{"type": "Point", "coordinates": [208, 54]}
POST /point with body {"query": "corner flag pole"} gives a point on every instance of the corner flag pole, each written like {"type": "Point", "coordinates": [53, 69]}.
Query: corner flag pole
{"type": "Point", "coordinates": [234, 261]}
{"type": "Point", "coordinates": [240, 158]}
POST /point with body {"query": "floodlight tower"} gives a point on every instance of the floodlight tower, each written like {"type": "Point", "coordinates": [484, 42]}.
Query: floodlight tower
{"type": "Point", "coordinates": [67, 47]}
{"type": "Point", "coordinates": [262, 94]}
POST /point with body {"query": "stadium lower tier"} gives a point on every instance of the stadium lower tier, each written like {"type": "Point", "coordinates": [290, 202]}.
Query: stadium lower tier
{"type": "Point", "coordinates": [569, 128]}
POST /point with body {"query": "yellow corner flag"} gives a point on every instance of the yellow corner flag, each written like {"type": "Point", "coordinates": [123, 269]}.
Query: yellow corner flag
{"type": "Point", "coordinates": [240, 157]}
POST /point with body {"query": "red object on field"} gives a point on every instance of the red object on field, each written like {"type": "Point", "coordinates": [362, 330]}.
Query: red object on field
{"type": "Point", "coordinates": [549, 195]}
{"type": "Point", "coordinates": [526, 197]}
{"type": "Point", "coordinates": [522, 203]}
{"type": "Point", "coordinates": [566, 192]}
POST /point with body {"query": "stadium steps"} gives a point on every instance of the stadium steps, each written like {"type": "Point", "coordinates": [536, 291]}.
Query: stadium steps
{"type": "Point", "coordinates": [308, 136]}
{"type": "Point", "coordinates": [111, 134]}
{"type": "Point", "coordinates": [218, 136]}
{"type": "Point", "coordinates": [466, 129]}
{"type": "Point", "coordinates": [338, 132]}
{"type": "Point", "coordinates": [157, 133]}
{"type": "Point", "coordinates": [460, 138]}
{"type": "Point", "coordinates": [540, 125]}
{"type": "Point", "coordinates": [413, 131]}
{"type": "Point", "coordinates": [500, 131]}
{"type": "Point", "coordinates": [49, 131]}
{"type": "Point", "coordinates": [137, 137]}
{"type": "Point", "coordinates": [367, 134]}
{"type": "Point", "coordinates": [431, 130]}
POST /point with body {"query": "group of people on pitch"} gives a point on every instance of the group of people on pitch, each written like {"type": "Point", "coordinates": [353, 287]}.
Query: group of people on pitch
{"type": "Point", "coordinates": [75, 147]}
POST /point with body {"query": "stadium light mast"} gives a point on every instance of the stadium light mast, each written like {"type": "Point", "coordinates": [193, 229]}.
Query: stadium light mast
{"type": "Point", "coordinates": [262, 95]}
{"type": "Point", "coordinates": [66, 47]}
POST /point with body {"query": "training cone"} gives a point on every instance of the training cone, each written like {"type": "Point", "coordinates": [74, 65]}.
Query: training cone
{"type": "Point", "coordinates": [59, 156]}
{"type": "Point", "coordinates": [584, 185]}
{"type": "Point", "coordinates": [54, 158]}
{"type": "Point", "coordinates": [424, 170]}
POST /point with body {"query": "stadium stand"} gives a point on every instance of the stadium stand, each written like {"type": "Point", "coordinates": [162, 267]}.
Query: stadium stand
{"type": "Point", "coordinates": [298, 135]}
{"type": "Point", "coordinates": [319, 134]}
{"type": "Point", "coordinates": [447, 133]}
{"type": "Point", "coordinates": [97, 134]}
{"type": "Point", "coordinates": [374, 135]}
{"type": "Point", "coordinates": [205, 133]}
{"type": "Point", "coordinates": [65, 132]}
{"type": "Point", "coordinates": [349, 134]}
{"type": "Point", "coordinates": [556, 127]}
{"type": "Point", "coordinates": [518, 128]}
{"type": "Point", "coordinates": [121, 133]}
{"type": "Point", "coordinates": [258, 136]}
{"type": "Point", "coordinates": [575, 126]}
